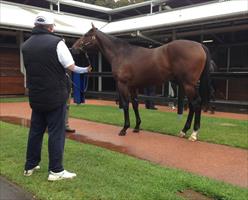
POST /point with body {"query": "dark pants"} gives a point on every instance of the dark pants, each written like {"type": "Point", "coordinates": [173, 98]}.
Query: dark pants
{"type": "Point", "coordinates": [54, 121]}
{"type": "Point", "coordinates": [150, 91]}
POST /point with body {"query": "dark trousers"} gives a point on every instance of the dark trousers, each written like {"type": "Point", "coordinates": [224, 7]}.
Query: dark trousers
{"type": "Point", "coordinates": [150, 91]}
{"type": "Point", "coordinates": [54, 121]}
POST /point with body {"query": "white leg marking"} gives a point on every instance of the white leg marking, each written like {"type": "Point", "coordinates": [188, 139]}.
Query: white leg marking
{"type": "Point", "coordinates": [181, 134]}
{"type": "Point", "coordinates": [193, 136]}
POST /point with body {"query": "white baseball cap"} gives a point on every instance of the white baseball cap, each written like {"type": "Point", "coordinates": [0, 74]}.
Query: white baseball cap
{"type": "Point", "coordinates": [44, 18]}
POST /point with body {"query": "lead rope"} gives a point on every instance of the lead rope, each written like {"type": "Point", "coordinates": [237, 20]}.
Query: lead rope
{"type": "Point", "coordinates": [87, 78]}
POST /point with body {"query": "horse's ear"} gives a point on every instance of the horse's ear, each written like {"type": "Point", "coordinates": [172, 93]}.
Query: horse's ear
{"type": "Point", "coordinates": [93, 26]}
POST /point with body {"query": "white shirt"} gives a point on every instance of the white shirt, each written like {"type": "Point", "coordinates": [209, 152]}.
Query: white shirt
{"type": "Point", "coordinates": [65, 58]}
{"type": "Point", "coordinates": [64, 54]}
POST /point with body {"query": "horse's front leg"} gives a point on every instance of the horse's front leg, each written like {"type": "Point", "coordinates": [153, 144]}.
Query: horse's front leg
{"type": "Point", "coordinates": [123, 91]}
{"type": "Point", "coordinates": [126, 125]}
{"type": "Point", "coordinates": [135, 104]}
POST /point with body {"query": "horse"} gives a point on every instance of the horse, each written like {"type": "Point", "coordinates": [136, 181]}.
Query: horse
{"type": "Point", "coordinates": [133, 67]}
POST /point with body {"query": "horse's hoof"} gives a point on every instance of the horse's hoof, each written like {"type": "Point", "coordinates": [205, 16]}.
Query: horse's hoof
{"type": "Point", "coordinates": [182, 134]}
{"type": "Point", "coordinates": [192, 138]}
{"type": "Point", "coordinates": [136, 130]}
{"type": "Point", "coordinates": [122, 133]}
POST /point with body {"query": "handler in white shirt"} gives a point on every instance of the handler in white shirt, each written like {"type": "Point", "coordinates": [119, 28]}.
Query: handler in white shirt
{"type": "Point", "coordinates": [47, 95]}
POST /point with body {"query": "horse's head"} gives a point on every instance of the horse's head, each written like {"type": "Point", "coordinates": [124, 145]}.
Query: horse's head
{"type": "Point", "coordinates": [87, 41]}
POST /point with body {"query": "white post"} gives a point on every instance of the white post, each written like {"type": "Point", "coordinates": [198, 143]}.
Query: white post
{"type": "Point", "coordinates": [171, 91]}
{"type": "Point", "coordinates": [51, 6]}
{"type": "Point", "coordinates": [58, 4]}
{"type": "Point", "coordinates": [151, 8]}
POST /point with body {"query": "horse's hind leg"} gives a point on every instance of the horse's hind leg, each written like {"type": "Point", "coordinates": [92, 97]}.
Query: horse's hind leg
{"type": "Point", "coordinates": [135, 104]}
{"type": "Point", "coordinates": [123, 91]}
{"type": "Point", "coordinates": [188, 122]}
{"type": "Point", "coordinates": [195, 108]}
{"type": "Point", "coordinates": [196, 104]}
{"type": "Point", "coordinates": [197, 121]}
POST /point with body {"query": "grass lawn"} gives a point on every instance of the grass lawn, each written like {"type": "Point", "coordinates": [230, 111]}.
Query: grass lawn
{"type": "Point", "coordinates": [215, 130]}
{"type": "Point", "coordinates": [13, 99]}
{"type": "Point", "coordinates": [102, 174]}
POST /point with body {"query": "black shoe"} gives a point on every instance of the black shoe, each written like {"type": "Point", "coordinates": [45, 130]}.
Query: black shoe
{"type": "Point", "coordinates": [70, 130]}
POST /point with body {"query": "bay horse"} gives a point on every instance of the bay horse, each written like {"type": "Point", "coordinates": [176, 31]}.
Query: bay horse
{"type": "Point", "coordinates": [186, 62]}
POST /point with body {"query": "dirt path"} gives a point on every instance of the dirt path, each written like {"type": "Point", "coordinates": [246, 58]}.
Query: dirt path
{"type": "Point", "coordinates": [215, 161]}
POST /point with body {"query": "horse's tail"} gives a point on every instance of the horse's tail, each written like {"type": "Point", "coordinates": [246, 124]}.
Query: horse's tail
{"type": "Point", "coordinates": [205, 87]}
{"type": "Point", "coordinates": [180, 100]}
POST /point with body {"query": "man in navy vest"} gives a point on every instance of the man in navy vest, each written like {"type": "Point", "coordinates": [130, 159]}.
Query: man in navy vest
{"type": "Point", "coordinates": [46, 57]}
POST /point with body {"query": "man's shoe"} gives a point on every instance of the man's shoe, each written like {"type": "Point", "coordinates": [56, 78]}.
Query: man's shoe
{"type": "Point", "coordinates": [70, 130]}
{"type": "Point", "coordinates": [60, 175]}
{"type": "Point", "coordinates": [31, 171]}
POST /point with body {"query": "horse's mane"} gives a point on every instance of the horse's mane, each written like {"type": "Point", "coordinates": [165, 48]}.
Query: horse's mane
{"type": "Point", "coordinates": [116, 40]}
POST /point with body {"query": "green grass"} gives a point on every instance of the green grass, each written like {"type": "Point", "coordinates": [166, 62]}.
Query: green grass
{"type": "Point", "coordinates": [215, 130]}
{"type": "Point", "coordinates": [102, 174]}
{"type": "Point", "coordinates": [13, 99]}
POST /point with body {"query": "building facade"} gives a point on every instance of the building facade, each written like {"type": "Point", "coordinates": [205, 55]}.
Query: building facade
{"type": "Point", "coordinates": [221, 25]}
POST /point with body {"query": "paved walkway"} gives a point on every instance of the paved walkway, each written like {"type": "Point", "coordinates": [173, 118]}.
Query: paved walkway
{"type": "Point", "coordinates": [10, 191]}
{"type": "Point", "coordinates": [215, 161]}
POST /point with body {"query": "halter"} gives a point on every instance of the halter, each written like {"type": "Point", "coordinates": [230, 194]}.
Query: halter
{"type": "Point", "coordinates": [82, 45]}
